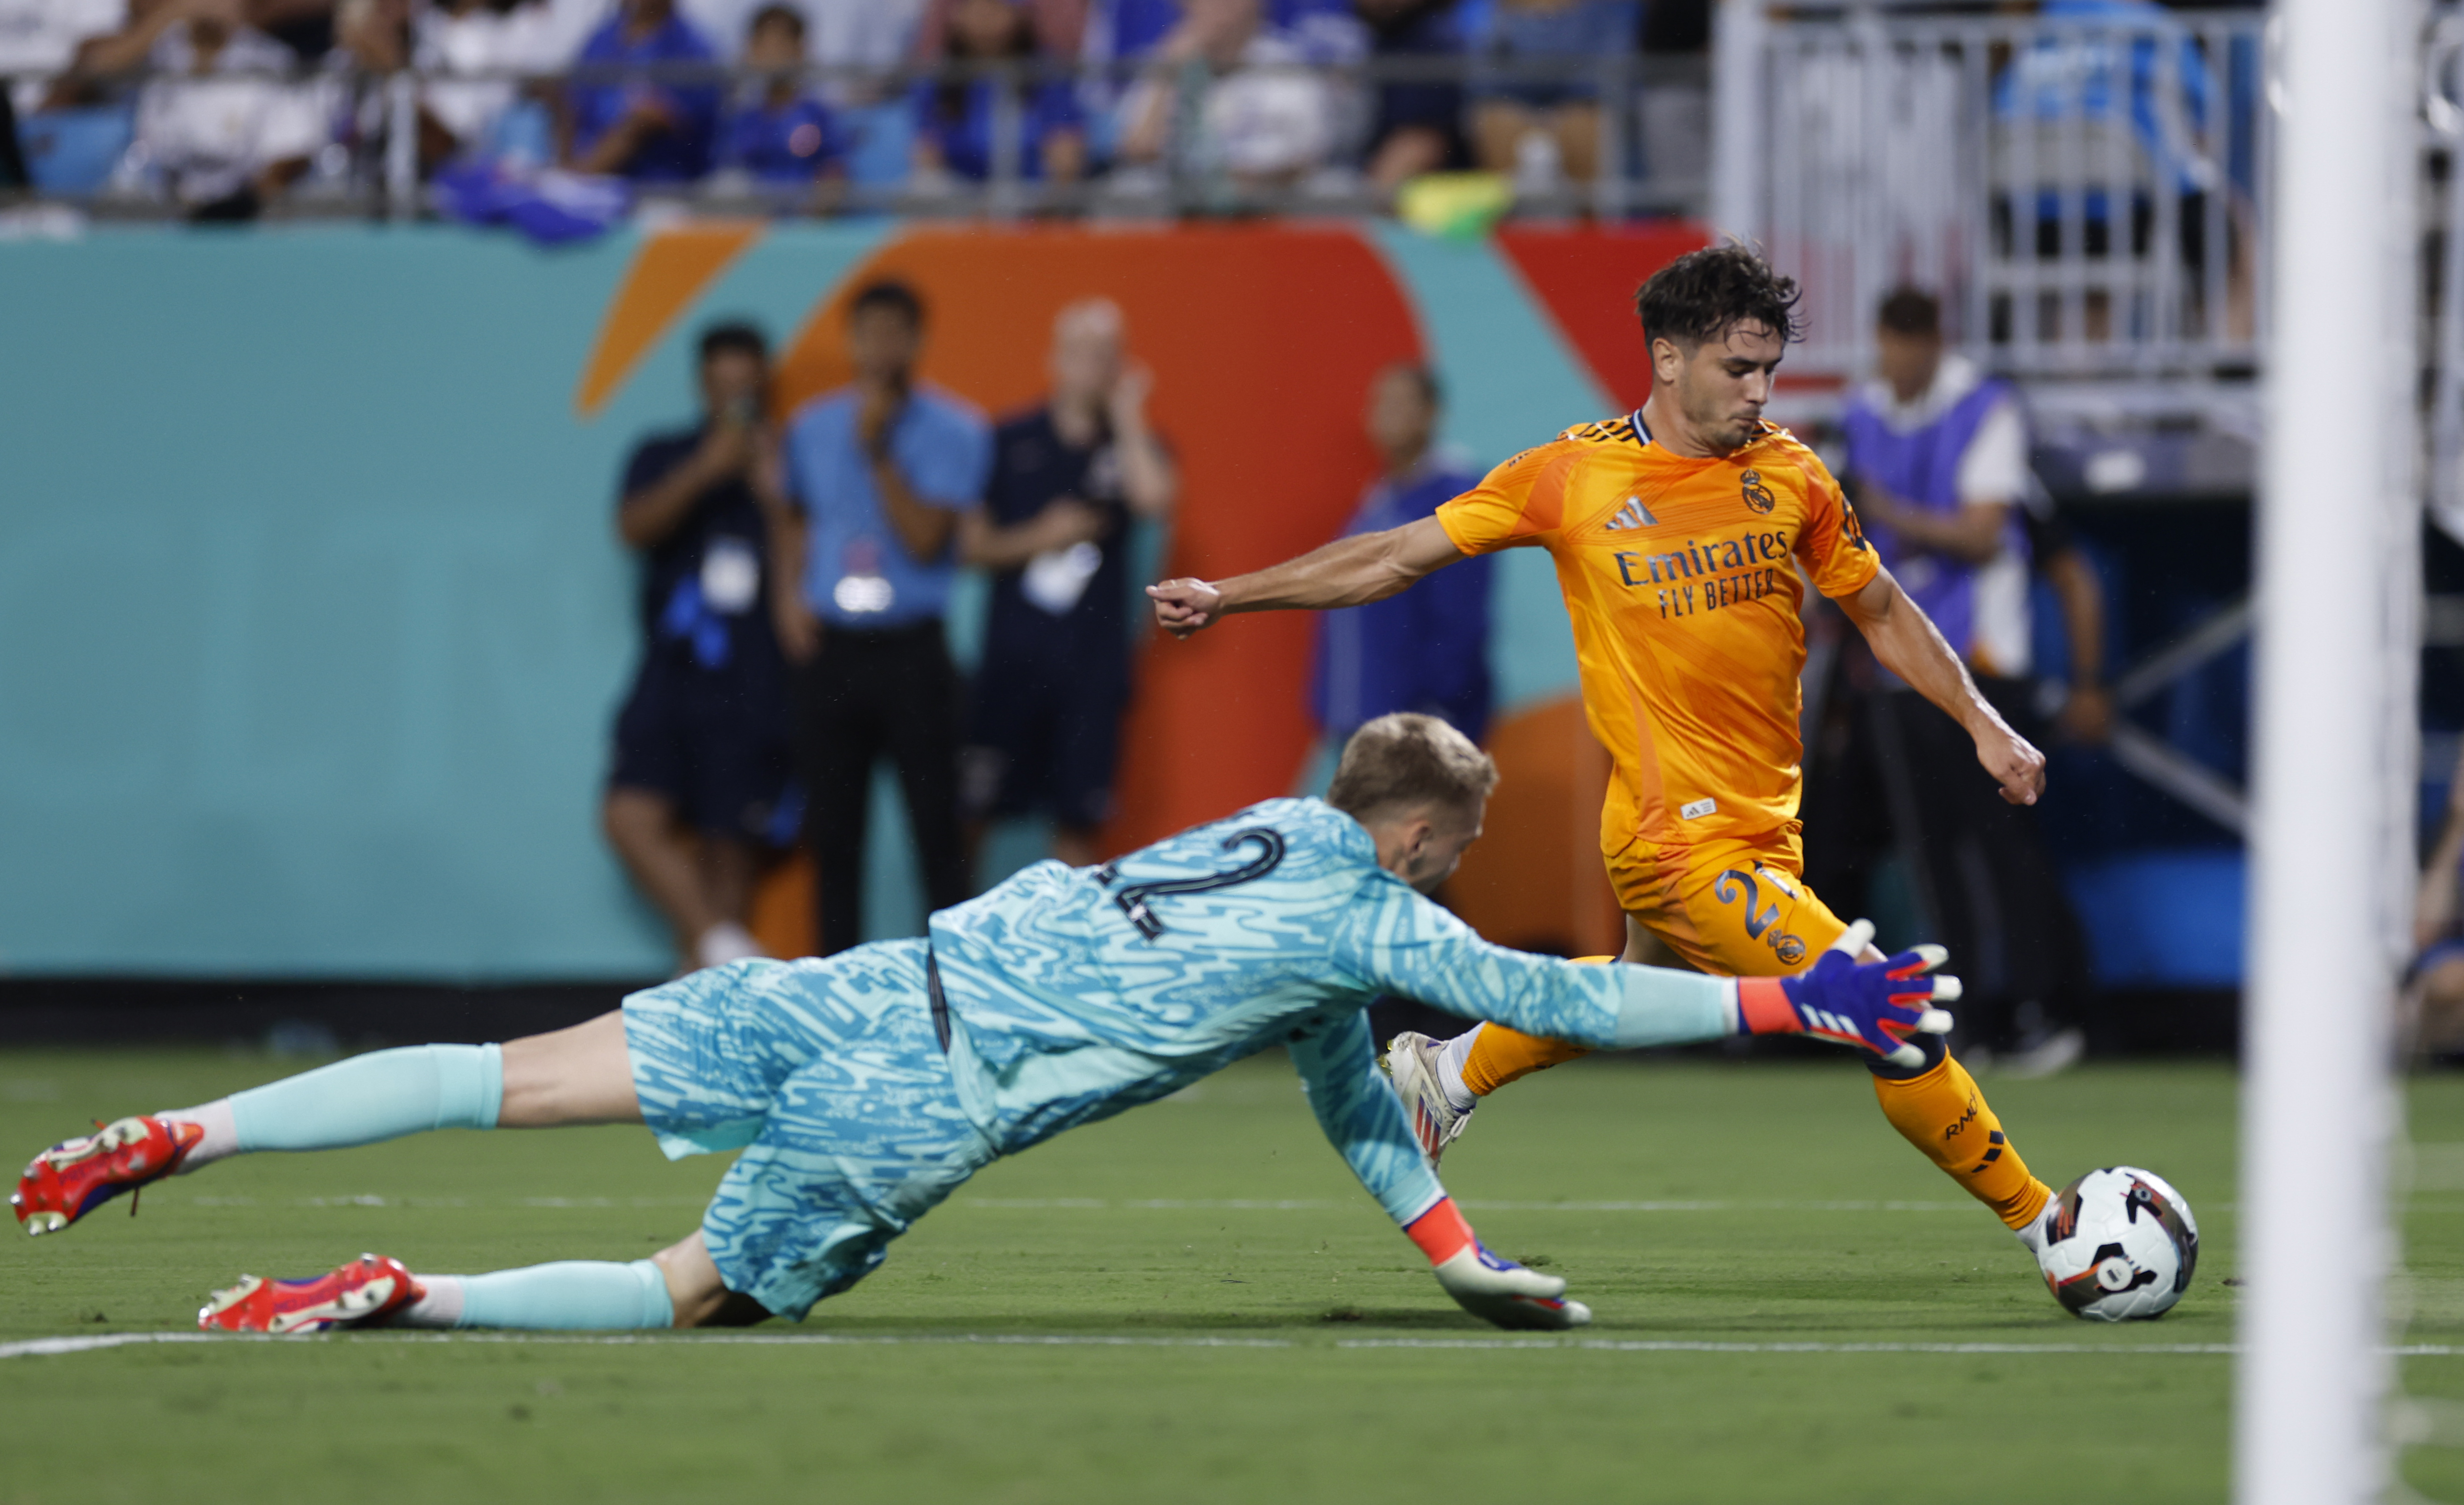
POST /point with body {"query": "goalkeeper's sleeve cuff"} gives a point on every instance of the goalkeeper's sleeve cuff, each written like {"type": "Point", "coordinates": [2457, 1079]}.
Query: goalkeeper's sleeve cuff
{"type": "Point", "coordinates": [1760, 1006]}
{"type": "Point", "coordinates": [1442, 1233]}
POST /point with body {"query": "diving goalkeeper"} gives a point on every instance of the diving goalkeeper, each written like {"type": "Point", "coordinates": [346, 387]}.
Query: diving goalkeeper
{"type": "Point", "coordinates": [865, 1087]}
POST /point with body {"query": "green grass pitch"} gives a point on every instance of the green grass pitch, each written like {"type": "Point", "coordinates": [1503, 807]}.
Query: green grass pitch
{"type": "Point", "coordinates": [1193, 1302]}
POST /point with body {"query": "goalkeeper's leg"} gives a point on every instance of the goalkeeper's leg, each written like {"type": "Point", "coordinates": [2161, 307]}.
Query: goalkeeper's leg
{"type": "Point", "coordinates": [581, 1075]}
{"type": "Point", "coordinates": [577, 1075]}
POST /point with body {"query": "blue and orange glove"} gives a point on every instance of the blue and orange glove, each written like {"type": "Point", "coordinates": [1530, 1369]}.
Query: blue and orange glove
{"type": "Point", "coordinates": [1876, 1004]}
{"type": "Point", "coordinates": [1488, 1287]}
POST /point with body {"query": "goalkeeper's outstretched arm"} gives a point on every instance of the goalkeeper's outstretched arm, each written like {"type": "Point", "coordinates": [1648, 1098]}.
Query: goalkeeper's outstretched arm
{"type": "Point", "coordinates": [1365, 1121]}
{"type": "Point", "coordinates": [1400, 943]}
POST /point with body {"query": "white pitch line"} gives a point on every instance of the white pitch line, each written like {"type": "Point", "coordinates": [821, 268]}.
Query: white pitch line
{"type": "Point", "coordinates": [1469, 1204]}
{"type": "Point", "coordinates": [45, 1347]}
{"type": "Point", "coordinates": [368, 1199]}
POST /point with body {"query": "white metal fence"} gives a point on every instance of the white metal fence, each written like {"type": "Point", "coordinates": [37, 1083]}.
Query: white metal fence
{"type": "Point", "coordinates": [2085, 195]}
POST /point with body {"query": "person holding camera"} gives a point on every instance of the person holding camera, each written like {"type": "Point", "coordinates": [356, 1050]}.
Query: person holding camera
{"type": "Point", "coordinates": [701, 784]}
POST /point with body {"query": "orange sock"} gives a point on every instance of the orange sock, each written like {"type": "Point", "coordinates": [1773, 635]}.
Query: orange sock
{"type": "Point", "coordinates": [1500, 1056]}
{"type": "Point", "coordinates": [1942, 1114]}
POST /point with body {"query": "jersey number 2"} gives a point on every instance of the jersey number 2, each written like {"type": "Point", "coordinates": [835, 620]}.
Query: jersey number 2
{"type": "Point", "coordinates": [1134, 898]}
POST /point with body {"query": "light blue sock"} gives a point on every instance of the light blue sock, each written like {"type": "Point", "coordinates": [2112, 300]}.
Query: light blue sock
{"type": "Point", "coordinates": [381, 1095]}
{"type": "Point", "coordinates": [570, 1293]}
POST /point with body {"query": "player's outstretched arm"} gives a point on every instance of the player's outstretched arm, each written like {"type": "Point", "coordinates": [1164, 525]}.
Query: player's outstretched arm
{"type": "Point", "coordinates": [1907, 642]}
{"type": "Point", "coordinates": [1365, 1121]}
{"type": "Point", "coordinates": [1349, 572]}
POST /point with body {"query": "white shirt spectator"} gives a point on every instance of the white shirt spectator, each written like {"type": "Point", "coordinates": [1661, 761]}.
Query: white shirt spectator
{"type": "Point", "coordinates": [1268, 118]}
{"type": "Point", "coordinates": [480, 40]}
{"type": "Point", "coordinates": [39, 39]}
{"type": "Point", "coordinates": [203, 135]}
{"type": "Point", "coordinates": [1261, 118]}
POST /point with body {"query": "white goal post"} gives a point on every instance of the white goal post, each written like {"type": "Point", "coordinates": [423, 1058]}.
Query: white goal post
{"type": "Point", "coordinates": [2334, 752]}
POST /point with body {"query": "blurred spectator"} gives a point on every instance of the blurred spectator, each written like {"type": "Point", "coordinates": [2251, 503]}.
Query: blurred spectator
{"type": "Point", "coordinates": [1427, 649]}
{"type": "Point", "coordinates": [650, 130]}
{"type": "Point", "coordinates": [782, 133]}
{"type": "Point", "coordinates": [220, 125]}
{"type": "Point", "coordinates": [1257, 113]}
{"type": "Point", "coordinates": [701, 784]}
{"type": "Point", "coordinates": [482, 115]}
{"type": "Point", "coordinates": [310, 28]}
{"type": "Point", "coordinates": [2436, 988]}
{"type": "Point", "coordinates": [1542, 129]}
{"type": "Point", "coordinates": [1059, 26]}
{"type": "Point", "coordinates": [1067, 479]}
{"type": "Point", "coordinates": [2077, 120]}
{"type": "Point", "coordinates": [39, 40]}
{"type": "Point", "coordinates": [958, 120]}
{"type": "Point", "coordinates": [1419, 125]}
{"type": "Point", "coordinates": [1937, 464]}
{"type": "Point", "coordinates": [2085, 710]}
{"type": "Point", "coordinates": [880, 471]}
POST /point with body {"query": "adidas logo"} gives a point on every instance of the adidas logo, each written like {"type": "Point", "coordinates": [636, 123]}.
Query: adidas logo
{"type": "Point", "coordinates": [1633, 514]}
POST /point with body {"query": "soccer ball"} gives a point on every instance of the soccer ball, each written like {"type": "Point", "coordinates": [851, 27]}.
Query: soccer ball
{"type": "Point", "coordinates": [2120, 1246]}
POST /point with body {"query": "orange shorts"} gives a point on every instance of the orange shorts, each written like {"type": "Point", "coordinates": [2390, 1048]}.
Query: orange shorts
{"type": "Point", "coordinates": [1731, 905]}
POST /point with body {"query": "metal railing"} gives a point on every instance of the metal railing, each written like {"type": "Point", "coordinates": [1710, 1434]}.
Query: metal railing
{"type": "Point", "coordinates": [1651, 157]}
{"type": "Point", "coordinates": [2087, 197]}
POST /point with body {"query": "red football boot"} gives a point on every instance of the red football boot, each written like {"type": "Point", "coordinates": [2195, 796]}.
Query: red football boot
{"type": "Point", "coordinates": [362, 1294]}
{"type": "Point", "coordinates": [74, 1177]}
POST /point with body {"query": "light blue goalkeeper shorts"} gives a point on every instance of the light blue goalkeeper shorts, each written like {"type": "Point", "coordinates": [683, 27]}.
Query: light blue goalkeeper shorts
{"type": "Point", "coordinates": [825, 1072]}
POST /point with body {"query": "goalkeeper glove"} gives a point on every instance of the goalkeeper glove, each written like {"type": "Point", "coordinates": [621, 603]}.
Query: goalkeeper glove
{"type": "Point", "coordinates": [1495, 1290]}
{"type": "Point", "coordinates": [1876, 1004]}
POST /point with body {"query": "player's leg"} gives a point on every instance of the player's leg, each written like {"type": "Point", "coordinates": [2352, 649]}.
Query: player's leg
{"type": "Point", "coordinates": [1648, 884]}
{"type": "Point", "coordinates": [575, 1076]}
{"type": "Point", "coordinates": [1752, 917]}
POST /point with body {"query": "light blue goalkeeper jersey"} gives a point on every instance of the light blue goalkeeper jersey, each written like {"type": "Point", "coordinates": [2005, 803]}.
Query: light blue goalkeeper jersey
{"type": "Point", "coordinates": [1075, 994]}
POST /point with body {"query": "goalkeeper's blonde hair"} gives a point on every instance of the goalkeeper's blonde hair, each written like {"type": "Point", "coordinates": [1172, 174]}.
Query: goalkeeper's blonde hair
{"type": "Point", "coordinates": [1406, 761]}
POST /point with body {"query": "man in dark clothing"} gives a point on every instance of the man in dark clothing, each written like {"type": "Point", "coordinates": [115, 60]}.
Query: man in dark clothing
{"type": "Point", "coordinates": [1068, 480]}
{"type": "Point", "coordinates": [700, 782]}
{"type": "Point", "coordinates": [1426, 648]}
{"type": "Point", "coordinates": [1937, 464]}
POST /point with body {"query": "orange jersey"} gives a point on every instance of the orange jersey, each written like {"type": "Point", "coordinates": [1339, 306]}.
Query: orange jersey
{"type": "Point", "coordinates": [1678, 574]}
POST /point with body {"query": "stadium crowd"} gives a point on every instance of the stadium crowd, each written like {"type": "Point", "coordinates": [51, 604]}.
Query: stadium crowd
{"type": "Point", "coordinates": [222, 106]}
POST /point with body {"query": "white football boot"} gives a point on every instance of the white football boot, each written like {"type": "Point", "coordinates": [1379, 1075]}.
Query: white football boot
{"type": "Point", "coordinates": [1411, 1063]}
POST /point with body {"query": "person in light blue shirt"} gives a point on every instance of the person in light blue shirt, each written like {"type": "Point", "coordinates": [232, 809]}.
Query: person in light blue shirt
{"type": "Point", "coordinates": [861, 1089]}
{"type": "Point", "coordinates": [879, 473]}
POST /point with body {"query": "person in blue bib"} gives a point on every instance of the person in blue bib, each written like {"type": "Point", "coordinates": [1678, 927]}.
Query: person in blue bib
{"type": "Point", "coordinates": [860, 1090]}
{"type": "Point", "coordinates": [1937, 464]}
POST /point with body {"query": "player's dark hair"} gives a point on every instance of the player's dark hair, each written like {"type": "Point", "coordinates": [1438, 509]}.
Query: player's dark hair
{"type": "Point", "coordinates": [776, 14]}
{"type": "Point", "coordinates": [891, 294]}
{"type": "Point", "coordinates": [1704, 294]}
{"type": "Point", "coordinates": [1408, 761]}
{"type": "Point", "coordinates": [733, 337]}
{"type": "Point", "coordinates": [1910, 311]}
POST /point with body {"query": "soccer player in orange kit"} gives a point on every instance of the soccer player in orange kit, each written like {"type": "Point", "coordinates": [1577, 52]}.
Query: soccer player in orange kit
{"type": "Point", "coordinates": [1678, 532]}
